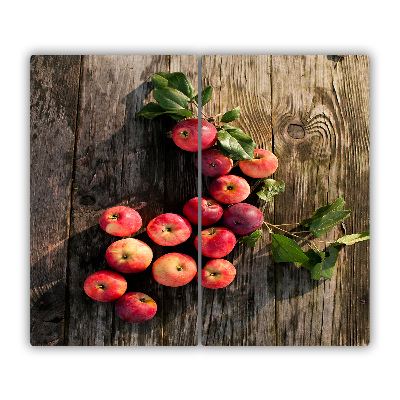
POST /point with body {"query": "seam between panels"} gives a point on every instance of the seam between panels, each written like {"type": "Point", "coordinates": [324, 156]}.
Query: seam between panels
{"type": "Point", "coordinates": [199, 192]}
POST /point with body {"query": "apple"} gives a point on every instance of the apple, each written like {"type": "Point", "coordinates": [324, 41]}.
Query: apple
{"type": "Point", "coordinates": [174, 269]}
{"type": "Point", "coordinates": [216, 242]}
{"type": "Point", "coordinates": [263, 164]}
{"type": "Point", "coordinates": [135, 307]}
{"type": "Point", "coordinates": [120, 221]}
{"type": "Point", "coordinates": [169, 229]}
{"type": "Point", "coordinates": [211, 211]}
{"type": "Point", "coordinates": [105, 285]}
{"type": "Point", "coordinates": [129, 255]}
{"type": "Point", "coordinates": [229, 189]}
{"type": "Point", "coordinates": [243, 218]}
{"type": "Point", "coordinates": [217, 273]}
{"type": "Point", "coordinates": [214, 163]}
{"type": "Point", "coordinates": [185, 134]}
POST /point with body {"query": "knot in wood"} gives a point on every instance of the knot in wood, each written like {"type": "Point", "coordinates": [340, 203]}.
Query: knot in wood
{"type": "Point", "coordinates": [296, 131]}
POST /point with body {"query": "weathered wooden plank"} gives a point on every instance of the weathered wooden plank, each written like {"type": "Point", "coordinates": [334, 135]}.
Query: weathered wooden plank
{"type": "Point", "coordinates": [121, 160]}
{"type": "Point", "coordinates": [351, 85]}
{"type": "Point", "coordinates": [314, 115]}
{"type": "Point", "coordinates": [54, 82]}
{"type": "Point", "coordinates": [243, 313]}
{"type": "Point", "coordinates": [181, 304]}
{"type": "Point", "coordinates": [312, 140]}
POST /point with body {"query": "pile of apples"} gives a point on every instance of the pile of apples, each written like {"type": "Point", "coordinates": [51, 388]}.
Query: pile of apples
{"type": "Point", "coordinates": [129, 255]}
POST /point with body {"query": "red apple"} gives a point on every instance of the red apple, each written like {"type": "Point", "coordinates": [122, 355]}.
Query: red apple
{"type": "Point", "coordinates": [229, 189]}
{"type": "Point", "coordinates": [120, 221]}
{"type": "Point", "coordinates": [214, 163]}
{"type": "Point", "coordinates": [243, 218]}
{"type": "Point", "coordinates": [174, 269]}
{"type": "Point", "coordinates": [216, 242]}
{"type": "Point", "coordinates": [135, 307]}
{"type": "Point", "coordinates": [105, 285]}
{"type": "Point", "coordinates": [129, 255]}
{"type": "Point", "coordinates": [185, 134]}
{"type": "Point", "coordinates": [263, 164]}
{"type": "Point", "coordinates": [217, 273]}
{"type": "Point", "coordinates": [169, 229]}
{"type": "Point", "coordinates": [211, 211]}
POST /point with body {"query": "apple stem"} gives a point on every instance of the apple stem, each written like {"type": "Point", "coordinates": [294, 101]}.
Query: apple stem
{"type": "Point", "coordinates": [309, 242]}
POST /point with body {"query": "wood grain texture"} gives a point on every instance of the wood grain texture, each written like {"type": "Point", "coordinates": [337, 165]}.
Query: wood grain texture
{"type": "Point", "coordinates": [313, 114]}
{"type": "Point", "coordinates": [53, 103]}
{"type": "Point", "coordinates": [123, 160]}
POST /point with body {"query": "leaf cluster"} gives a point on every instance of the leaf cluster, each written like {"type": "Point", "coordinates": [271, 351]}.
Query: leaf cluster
{"type": "Point", "coordinates": [173, 94]}
{"type": "Point", "coordinates": [320, 263]}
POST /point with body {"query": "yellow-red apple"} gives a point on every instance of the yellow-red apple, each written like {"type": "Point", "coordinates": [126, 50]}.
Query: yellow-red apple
{"type": "Point", "coordinates": [217, 273]}
{"type": "Point", "coordinates": [169, 229]}
{"type": "Point", "coordinates": [120, 221]}
{"type": "Point", "coordinates": [129, 255]}
{"type": "Point", "coordinates": [263, 164]}
{"type": "Point", "coordinates": [105, 286]}
{"type": "Point", "coordinates": [174, 269]}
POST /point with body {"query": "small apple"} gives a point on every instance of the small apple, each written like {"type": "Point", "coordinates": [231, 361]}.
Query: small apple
{"type": "Point", "coordinates": [129, 255]}
{"type": "Point", "coordinates": [185, 134]}
{"type": "Point", "coordinates": [169, 229]}
{"type": "Point", "coordinates": [229, 189]}
{"type": "Point", "coordinates": [263, 164]}
{"type": "Point", "coordinates": [105, 285]}
{"type": "Point", "coordinates": [211, 211]}
{"type": "Point", "coordinates": [217, 273]}
{"type": "Point", "coordinates": [120, 221]}
{"type": "Point", "coordinates": [174, 269]}
{"type": "Point", "coordinates": [216, 242]}
{"type": "Point", "coordinates": [135, 307]}
{"type": "Point", "coordinates": [243, 218]}
{"type": "Point", "coordinates": [214, 163]}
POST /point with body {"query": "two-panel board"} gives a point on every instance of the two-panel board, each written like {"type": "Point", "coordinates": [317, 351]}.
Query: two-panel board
{"type": "Point", "coordinates": [295, 283]}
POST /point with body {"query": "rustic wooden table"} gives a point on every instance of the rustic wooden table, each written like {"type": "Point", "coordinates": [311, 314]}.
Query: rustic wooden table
{"type": "Point", "coordinates": [89, 152]}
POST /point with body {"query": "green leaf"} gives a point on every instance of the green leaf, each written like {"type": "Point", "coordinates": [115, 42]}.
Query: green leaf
{"type": "Point", "coordinates": [285, 249]}
{"type": "Point", "coordinates": [159, 80]}
{"type": "Point", "coordinates": [321, 263]}
{"type": "Point", "coordinates": [351, 239]}
{"type": "Point", "coordinates": [271, 188]}
{"type": "Point", "coordinates": [174, 80]}
{"type": "Point", "coordinates": [150, 111]}
{"type": "Point", "coordinates": [170, 99]}
{"type": "Point", "coordinates": [320, 212]}
{"type": "Point", "coordinates": [328, 263]}
{"type": "Point", "coordinates": [251, 239]}
{"type": "Point", "coordinates": [327, 222]}
{"type": "Point", "coordinates": [206, 95]}
{"type": "Point", "coordinates": [235, 144]}
{"type": "Point", "coordinates": [230, 116]}
{"type": "Point", "coordinates": [314, 257]}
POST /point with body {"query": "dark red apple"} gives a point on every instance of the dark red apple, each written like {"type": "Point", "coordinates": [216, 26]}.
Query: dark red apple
{"type": "Point", "coordinates": [214, 163]}
{"type": "Point", "coordinates": [135, 307]}
{"type": "Point", "coordinates": [243, 218]}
